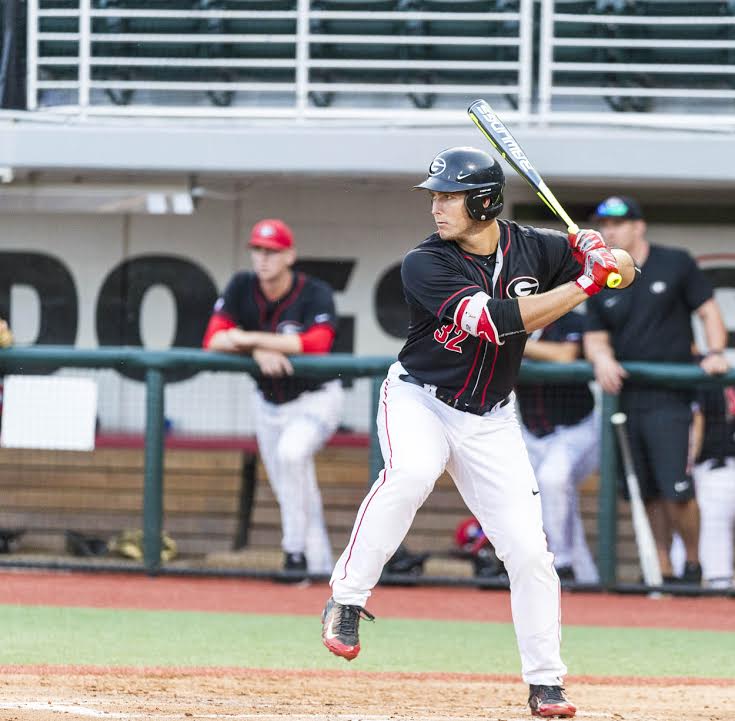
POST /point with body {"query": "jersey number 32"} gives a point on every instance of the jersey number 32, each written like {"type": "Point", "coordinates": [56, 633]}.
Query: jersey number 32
{"type": "Point", "coordinates": [450, 337]}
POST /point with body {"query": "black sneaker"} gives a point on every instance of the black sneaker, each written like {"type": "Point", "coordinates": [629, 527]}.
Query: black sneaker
{"type": "Point", "coordinates": [692, 573]}
{"type": "Point", "coordinates": [565, 573]}
{"type": "Point", "coordinates": [340, 628]}
{"type": "Point", "coordinates": [550, 702]}
{"type": "Point", "coordinates": [294, 568]}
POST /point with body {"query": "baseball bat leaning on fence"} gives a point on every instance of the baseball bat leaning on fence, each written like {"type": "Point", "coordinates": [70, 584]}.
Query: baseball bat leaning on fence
{"type": "Point", "coordinates": [647, 552]}
{"type": "Point", "coordinates": [503, 141]}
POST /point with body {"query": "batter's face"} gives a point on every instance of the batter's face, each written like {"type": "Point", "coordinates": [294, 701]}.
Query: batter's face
{"type": "Point", "coordinates": [625, 234]}
{"type": "Point", "coordinates": [452, 220]}
{"type": "Point", "coordinates": [271, 265]}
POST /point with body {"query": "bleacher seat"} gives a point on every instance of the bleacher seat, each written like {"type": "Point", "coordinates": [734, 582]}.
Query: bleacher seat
{"type": "Point", "coordinates": [266, 26]}
{"type": "Point", "coordinates": [347, 52]}
{"type": "Point", "coordinates": [195, 48]}
{"type": "Point", "coordinates": [439, 54]}
{"type": "Point", "coordinates": [586, 54]}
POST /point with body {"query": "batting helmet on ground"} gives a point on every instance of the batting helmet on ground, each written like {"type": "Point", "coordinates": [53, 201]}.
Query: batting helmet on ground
{"type": "Point", "coordinates": [469, 535]}
{"type": "Point", "coordinates": [471, 170]}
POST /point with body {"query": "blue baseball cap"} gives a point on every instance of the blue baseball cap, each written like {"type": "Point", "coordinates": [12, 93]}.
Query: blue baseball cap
{"type": "Point", "coordinates": [621, 207]}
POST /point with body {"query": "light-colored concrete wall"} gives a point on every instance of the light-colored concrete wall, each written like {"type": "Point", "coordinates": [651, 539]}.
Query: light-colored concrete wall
{"type": "Point", "coordinates": [370, 221]}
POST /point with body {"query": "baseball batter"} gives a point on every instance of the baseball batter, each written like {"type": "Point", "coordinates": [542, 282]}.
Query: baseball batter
{"type": "Point", "coordinates": [475, 288]}
{"type": "Point", "coordinates": [561, 433]}
{"type": "Point", "coordinates": [271, 313]}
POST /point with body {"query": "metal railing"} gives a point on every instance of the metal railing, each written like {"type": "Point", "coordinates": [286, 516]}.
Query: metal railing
{"type": "Point", "coordinates": [157, 363]}
{"type": "Point", "coordinates": [385, 61]}
{"type": "Point", "coordinates": [202, 59]}
{"type": "Point", "coordinates": [634, 62]}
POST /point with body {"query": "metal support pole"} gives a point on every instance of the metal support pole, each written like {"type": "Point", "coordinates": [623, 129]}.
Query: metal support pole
{"type": "Point", "coordinates": [153, 475]}
{"type": "Point", "coordinates": [607, 516]}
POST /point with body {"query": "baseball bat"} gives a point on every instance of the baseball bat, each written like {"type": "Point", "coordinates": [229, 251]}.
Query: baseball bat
{"type": "Point", "coordinates": [502, 140]}
{"type": "Point", "coordinates": [647, 553]}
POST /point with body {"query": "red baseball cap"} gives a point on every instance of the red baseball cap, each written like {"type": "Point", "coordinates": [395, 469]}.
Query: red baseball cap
{"type": "Point", "coordinates": [272, 234]}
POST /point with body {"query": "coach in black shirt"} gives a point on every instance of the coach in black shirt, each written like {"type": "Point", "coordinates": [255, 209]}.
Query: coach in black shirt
{"type": "Point", "coordinates": [651, 321]}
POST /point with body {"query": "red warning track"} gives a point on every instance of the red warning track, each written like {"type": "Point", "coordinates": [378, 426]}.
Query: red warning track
{"type": "Point", "coordinates": [105, 590]}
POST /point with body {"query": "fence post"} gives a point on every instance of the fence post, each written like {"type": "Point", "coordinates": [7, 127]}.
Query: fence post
{"type": "Point", "coordinates": [153, 475]}
{"type": "Point", "coordinates": [607, 516]}
{"type": "Point", "coordinates": [376, 456]}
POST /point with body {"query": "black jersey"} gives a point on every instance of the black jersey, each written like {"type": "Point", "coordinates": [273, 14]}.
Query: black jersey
{"type": "Point", "coordinates": [438, 274]}
{"type": "Point", "coordinates": [544, 406]}
{"type": "Point", "coordinates": [308, 302]}
{"type": "Point", "coordinates": [651, 319]}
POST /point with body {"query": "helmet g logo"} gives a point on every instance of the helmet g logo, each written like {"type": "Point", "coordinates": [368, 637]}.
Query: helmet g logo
{"type": "Point", "coordinates": [522, 286]}
{"type": "Point", "coordinates": [438, 166]}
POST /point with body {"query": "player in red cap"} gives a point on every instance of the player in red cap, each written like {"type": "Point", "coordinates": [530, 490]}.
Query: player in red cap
{"type": "Point", "coordinates": [272, 313]}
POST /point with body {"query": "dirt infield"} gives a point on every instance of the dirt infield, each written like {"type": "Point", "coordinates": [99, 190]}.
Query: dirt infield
{"type": "Point", "coordinates": [68, 693]}
{"type": "Point", "coordinates": [331, 696]}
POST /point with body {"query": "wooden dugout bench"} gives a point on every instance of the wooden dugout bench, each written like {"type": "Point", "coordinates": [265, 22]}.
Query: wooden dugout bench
{"type": "Point", "coordinates": [217, 498]}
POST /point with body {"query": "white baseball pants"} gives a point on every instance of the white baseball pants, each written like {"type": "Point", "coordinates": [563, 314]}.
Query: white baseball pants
{"type": "Point", "coordinates": [562, 460]}
{"type": "Point", "coordinates": [289, 435]}
{"type": "Point", "coordinates": [420, 436]}
{"type": "Point", "coordinates": [715, 489]}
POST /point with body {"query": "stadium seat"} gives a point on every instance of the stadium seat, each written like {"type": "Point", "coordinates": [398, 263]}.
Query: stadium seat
{"type": "Point", "coordinates": [703, 53]}
{"type": "Point", "coordinates": [584, 54]}
{"type": "Point", "coordinates": [353, 52]}
{"type": "Point", "coordinates": [58, 49]}
{"type": "Point", "coordinates": [440, 53]}
{"type": "Point", "coordinates": [193, 49]}
{"type": "Point", "coordinates": [265, 26]}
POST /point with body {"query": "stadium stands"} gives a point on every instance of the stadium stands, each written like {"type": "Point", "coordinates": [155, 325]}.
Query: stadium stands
{"type": "Point", "coordinates": [585, 56]}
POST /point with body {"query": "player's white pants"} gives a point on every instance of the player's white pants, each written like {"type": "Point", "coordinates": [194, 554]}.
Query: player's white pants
{"type": "Point", "coordinates": [420, 436]}
{"type": "Point", "coordinates": [715, 489]}
{"type": "Point", "coordinates": [562, 460]}
{"type": "Point", "coordinates": [288, 436]}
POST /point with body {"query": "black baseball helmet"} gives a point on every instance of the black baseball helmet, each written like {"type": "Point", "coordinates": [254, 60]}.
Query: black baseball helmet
{"type": "Point", "coordinates": [471, 170]}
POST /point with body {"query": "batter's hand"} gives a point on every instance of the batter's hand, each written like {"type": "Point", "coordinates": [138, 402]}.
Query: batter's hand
{"type": "Point", "coordinates": [583, 242]}
{"type": "Point", "coordinates": [598, 264]}
{"type": "Point", "coordinates": [609, 374]}
{"type": "Point", "coordinates": [6, 336]}
{"type": "Point", "coordinates": [272, 363]}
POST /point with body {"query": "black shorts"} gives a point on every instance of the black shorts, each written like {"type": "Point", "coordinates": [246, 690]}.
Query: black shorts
{"type": "Point", "coordinates": [659, 444]}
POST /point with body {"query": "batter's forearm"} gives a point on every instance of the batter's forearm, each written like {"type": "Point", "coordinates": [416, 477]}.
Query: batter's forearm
{"type": "Point", "coordinates": [538, 311]}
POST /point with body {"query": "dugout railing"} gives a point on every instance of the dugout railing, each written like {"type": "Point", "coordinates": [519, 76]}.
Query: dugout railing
{"type": "Point", "coordinates": [155, 365]}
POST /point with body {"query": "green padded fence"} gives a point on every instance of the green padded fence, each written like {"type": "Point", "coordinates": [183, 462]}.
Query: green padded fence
{"type": "Point", "coordinates": [157, 363]}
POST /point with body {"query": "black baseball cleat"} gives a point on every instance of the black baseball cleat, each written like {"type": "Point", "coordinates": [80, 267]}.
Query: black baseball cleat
{"type": "Point", "coordinates": [550, 702]}
{"type": "Point", "coordinates": [692, 573]}
{"type": "Point", "coordinates": [340, 628]}
{"type": "Point", "coordinates": [294, 568]}
{"type": "Point", "coordinates": [294, 562]}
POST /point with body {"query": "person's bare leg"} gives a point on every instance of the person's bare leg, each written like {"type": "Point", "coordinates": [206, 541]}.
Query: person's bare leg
{"type": "Point", "coordinates": [661, 529]}
{"type": "Point", "coordinates": [685, 519]}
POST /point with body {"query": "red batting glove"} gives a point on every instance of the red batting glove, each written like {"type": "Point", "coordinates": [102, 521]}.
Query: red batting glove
{"type": "Point", "coordinates": [598, 264]}
{"type": "Point", "coordinates": [583, 242]}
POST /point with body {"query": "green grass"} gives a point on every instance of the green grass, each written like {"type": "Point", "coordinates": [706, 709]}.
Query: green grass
{"type": "Point", "coordinates": [47, 635]}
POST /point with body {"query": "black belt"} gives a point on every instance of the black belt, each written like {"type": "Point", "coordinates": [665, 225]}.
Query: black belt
{"type": "Point", "coordinates": [446, 396]}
